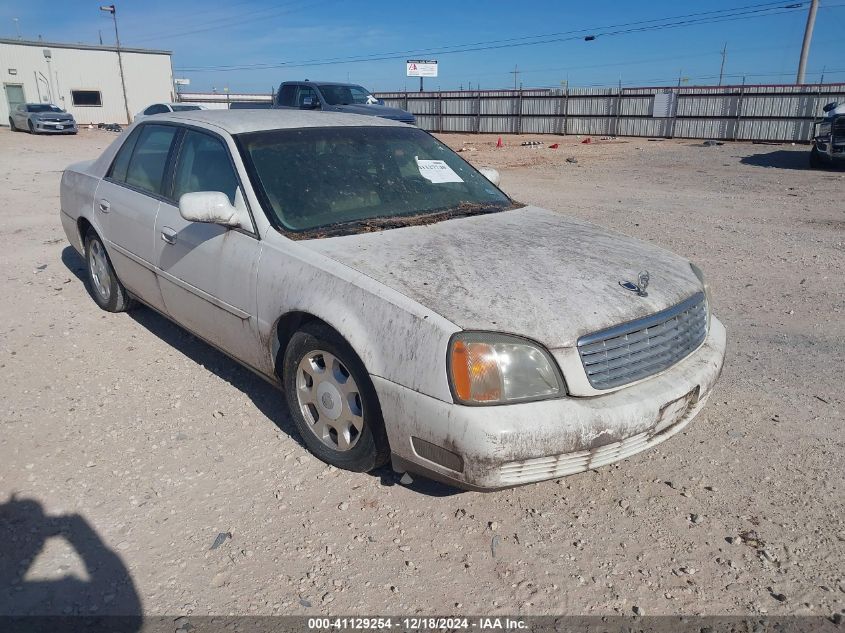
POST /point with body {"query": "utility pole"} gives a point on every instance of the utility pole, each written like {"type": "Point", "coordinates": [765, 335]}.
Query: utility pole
{"type": "Point", "coordinates": [110, 8]}
{"type": "Point", "coordinates": [722, 68]}
{"type": "Point", "coordinates": [808, 37]}
{"type": "Point", "coordinates": [17, 27]}
{"type": "Point", "coordinates": [515, 73]}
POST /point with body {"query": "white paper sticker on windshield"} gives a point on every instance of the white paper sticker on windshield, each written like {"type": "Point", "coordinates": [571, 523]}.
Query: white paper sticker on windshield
{"type": "Point", "coordinates": [437, 171]}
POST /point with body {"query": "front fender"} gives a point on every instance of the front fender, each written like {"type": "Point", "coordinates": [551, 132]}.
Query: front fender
{"type": "Point", "coordinates": [396, 338]}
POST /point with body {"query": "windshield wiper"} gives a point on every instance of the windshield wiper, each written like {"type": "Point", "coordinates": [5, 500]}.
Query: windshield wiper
{"type": "Point", "coordinates": [370, 225]}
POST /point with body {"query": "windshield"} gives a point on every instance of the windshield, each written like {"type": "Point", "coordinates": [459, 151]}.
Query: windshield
{"type": "Point", "coordinates": [346, 95]}
{"type": "Point", "coordinates": [43, 107]}
{"type": "Point", "coordinates": [350, 179]}
{"type": "Point", "coordinates": [184, 108]}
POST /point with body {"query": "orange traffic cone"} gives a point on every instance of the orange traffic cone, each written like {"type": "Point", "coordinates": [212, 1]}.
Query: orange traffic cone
{"type": "Point", "coordinates": [499, 142]}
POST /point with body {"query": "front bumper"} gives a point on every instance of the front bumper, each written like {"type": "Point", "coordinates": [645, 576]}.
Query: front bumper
{"type": "Point", "coordinates": [488, 448]}
{"type": "Point", "coordinates": [49, 127]}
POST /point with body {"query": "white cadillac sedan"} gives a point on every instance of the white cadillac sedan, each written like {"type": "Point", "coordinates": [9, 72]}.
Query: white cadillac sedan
{"type": "Point", "coordinates": [409, 310]}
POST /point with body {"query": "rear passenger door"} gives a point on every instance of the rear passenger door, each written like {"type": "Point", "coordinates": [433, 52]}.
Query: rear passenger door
{"type": "Point", "coordinates": [127, 203]}
{"type": "Point", "coordinates": [207, 272]}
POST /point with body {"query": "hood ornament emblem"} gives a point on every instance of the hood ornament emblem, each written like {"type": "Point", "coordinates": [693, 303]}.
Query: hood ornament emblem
{"type": "Point", "coordinates": [640, 286]}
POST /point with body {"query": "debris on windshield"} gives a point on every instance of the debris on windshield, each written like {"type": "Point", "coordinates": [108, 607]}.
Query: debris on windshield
{"type": "Point", "coordinates": [371, 225]}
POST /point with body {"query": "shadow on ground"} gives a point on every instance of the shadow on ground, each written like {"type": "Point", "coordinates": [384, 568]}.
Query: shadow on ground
{"type": "Point", "coordinates": [269, 400]}
{"type": "Point", "coordinates": [780, 159]}
{"type": "Point", "coordinates": [24, 532]}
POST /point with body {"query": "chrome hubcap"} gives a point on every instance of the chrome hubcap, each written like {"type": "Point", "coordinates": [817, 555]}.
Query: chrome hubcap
{"type": "Point", "coordinates": [99, 267]}
{"type": "Point", "coordinates": [329, 400]}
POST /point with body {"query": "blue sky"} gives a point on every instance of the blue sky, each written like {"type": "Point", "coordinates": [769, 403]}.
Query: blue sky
{"type": "Point", "coordinates": [205, 36]}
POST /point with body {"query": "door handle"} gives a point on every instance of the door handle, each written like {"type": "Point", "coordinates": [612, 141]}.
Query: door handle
{"type": "Point", "coordinates": [168, 235]}
{"type": "Point", "coordinates": [104, 205]}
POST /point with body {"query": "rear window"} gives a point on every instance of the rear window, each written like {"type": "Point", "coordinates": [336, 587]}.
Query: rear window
{"type": "Point", "coordinates": [185, 108]}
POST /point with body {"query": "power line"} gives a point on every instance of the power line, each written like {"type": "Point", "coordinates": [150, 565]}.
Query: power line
{"type": "Point", "coordinates": [227, 22]}
{"type": "Point", "coordinates": [708, 17]}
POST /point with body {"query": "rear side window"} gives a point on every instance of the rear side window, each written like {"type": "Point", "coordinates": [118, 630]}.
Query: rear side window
{"type": "Point", "coordinates": [121, 161]}
{"type": "Point", "coordinates": [204, 165]}
{"type": "Point", "coordinates": [149, 158]}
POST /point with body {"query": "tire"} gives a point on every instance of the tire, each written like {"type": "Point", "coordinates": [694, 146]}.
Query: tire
{"type": "Point", "coordinates": [31, 127]}
{"type": "Point", "coordinates": [815, 158]}
{"type": "Point", "coordinates": [328, 404]}
{"type": "Point", "coordinates": [102, 282]}
{"type": "Point", "coordinates": [12, 125]}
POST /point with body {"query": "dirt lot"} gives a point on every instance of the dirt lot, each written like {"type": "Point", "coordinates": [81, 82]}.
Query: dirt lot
{"type": "Point", "coordinates": [136, 444]}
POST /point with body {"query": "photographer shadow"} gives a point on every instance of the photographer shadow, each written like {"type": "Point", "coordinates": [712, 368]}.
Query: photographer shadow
{"type": "Point", "coordinates": [24, 533]}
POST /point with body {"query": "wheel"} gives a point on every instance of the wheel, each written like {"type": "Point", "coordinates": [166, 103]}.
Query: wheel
{"type": "Point", "coordinates": [332, 400]}
{"type": "Point", "coordinates": [815, 158]}
{"type": "Point", "coordinates": [31, 127]}
{"type": "Point", "coordinates": [12, 125]}
{"type": "Point", "coordinates": [103, 285]}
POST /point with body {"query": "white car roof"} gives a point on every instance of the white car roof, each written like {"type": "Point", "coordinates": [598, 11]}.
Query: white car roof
{"type": "Point", "coordinates": [246, 120]}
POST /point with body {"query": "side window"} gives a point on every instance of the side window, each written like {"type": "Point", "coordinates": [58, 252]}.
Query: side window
{"type": "Point", "coordinates": [303, 93]}
{"type": "Point", "coordinates": [156, 109]}
{"type": "Point", "coordinates": [149, 160]}
{"type": "Point", "coordinates": [121, 161]}
{"type": "Point", "coordinates": [287, 96]}
{"type": "Point", "coordinates": [204, 165]}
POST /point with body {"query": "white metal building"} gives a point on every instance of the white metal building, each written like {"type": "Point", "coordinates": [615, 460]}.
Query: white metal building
{"type": "Point", "coordinates": [84, 80]}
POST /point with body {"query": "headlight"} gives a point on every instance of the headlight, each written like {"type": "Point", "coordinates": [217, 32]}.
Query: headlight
{"type": "Point", "coordinates": [697, 271]}
{"type": "Point", "coordinates": [488, 368]}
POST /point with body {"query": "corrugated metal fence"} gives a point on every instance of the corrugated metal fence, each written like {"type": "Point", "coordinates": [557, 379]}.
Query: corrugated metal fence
{"type": "Point", "coordinates": [759, 112]}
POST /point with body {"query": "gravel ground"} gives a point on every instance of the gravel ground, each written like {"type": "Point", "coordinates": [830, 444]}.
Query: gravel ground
{"type": "Point", "coordinates": [129, 449]}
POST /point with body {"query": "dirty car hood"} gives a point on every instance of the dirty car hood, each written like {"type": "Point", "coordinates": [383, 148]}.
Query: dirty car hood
{"type": "Point", "coordinates": [531, 272]}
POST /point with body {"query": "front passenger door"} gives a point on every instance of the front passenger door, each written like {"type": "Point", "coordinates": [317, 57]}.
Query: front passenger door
{"type": "Point", "coordinates": [207, 272]}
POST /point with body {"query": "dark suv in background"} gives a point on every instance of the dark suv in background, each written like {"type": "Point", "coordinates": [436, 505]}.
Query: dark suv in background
{"type": "Point", "coordinates": [829, 137]}
{"type": "Point", "coordinates": [336, 97]}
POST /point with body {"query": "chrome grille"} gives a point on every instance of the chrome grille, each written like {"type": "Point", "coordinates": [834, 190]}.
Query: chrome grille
{"type": "Point", "coordinates": [641, 348]}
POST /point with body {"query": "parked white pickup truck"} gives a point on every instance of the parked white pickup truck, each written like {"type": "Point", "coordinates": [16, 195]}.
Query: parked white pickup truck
{"type": "Point", "coordinates": [406, 306]}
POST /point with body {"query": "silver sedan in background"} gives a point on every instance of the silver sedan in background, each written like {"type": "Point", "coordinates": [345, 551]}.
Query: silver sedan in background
{"type": "Point", "coordinates": [39, 118]}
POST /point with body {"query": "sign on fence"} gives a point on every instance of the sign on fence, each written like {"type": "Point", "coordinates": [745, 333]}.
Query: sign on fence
{"type": "Point", "coordinates": [421, 67]}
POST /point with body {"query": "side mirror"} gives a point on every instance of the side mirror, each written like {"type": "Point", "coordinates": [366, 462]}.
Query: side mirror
{"type": "Point", "coordinates": [491, 174]}
{"type": "Point", "coordinates": [830, 106]}
{"type": "Point", "coordinates": [212, 207]}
